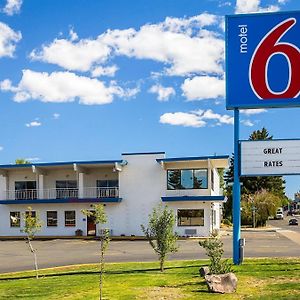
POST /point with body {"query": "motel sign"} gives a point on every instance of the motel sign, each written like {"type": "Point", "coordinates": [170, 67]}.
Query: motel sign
{"type": "Point", "coordinates": [263, 60]}
{"type": "Point", "coordinates": [262, 70]}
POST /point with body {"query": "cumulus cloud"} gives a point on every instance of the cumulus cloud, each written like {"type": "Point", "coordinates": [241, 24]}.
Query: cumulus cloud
{"type": "Point", "coordinates": [32, 159]}
{"type": "Point", "coordinates": [12, 7]}
{"type": "Point", "coordinates": [104, 71]}
{"type": "Point", "coordinates": [183, 45]}
{"type": "Point", "coordinates": [253, 111]}
{"type": "Point", "coordinates": [8, 40]}
{"type": "Point", "coordinates": [64, 87]}
{"type": "Point", "coordinates": [203, 87]}
{"type": "Point", "coordinates": [197, 118]}
{"type": "Point", "coordinates": [33, 124]}
{"type": "Point", "coordinates": [73, 55]}
{"type": "Point", "coordinates": [253, 6]}
{"type": "Point", "coordinates": [247, 123]}
{"type": "Point", "coordinates": [163, 93]}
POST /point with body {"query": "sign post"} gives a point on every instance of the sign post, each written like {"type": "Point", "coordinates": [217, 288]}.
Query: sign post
{"type": "Point", "coordinates": [236, 207]}
{"type": "Point", "coordinates": [262, 70]}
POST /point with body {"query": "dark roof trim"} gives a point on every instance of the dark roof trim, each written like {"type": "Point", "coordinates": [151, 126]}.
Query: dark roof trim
{"type": "Point", "coordinates": [191, 158]}
{"type": "Point", "coordinates": [143, 153]}
{"type": "Point", "coordinates": [64, 163]}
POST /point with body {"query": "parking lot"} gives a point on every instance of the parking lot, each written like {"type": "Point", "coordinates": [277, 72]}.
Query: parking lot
{"type": "Point", "coordinates": [15, 255]}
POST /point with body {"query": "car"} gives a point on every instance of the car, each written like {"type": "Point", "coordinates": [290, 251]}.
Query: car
{"type": "Point", "coordinates": [293, 222]}
{"type": "Point", "coordinates": [279, 216]}
{"type": "Point", "coordinates": [290, 213]}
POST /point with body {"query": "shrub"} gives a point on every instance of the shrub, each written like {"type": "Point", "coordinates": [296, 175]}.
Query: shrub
{"type": "Point", "coordinates": [214, 250]}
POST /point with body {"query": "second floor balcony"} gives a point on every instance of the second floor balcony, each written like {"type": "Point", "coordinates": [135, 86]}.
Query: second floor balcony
{"type": "Point", "coordinates": [62, 193]}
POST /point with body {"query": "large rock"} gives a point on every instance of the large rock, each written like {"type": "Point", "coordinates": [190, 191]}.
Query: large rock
{"type": "Point", "coordinates": [204, 271]}
{"type": "Point", "coordinates": [224, 283]}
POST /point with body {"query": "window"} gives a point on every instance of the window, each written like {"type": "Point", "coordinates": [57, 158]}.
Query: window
{"type": "Point", "coordinates": [187, 179]}
{"type": "Point", "coordinates": [190, 217]}
{"type": "Point", "coordinates": [70, 218]}
{"type": "Point", "coordinates": [51, 218]}
{"type": "Point", "coordinates": [25, 190]}
{"type": "Point", "coordinates": [212, 179]}
{"type": "Point", "coordinates": [15, 219]}
{"type": "Point", "coordinates": [107, 183]}
{"type": "Point", "coordinates": [66, 189]}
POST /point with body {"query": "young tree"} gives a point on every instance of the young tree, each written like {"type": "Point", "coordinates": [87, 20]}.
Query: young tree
{"type": "Point", "coordinates": [32, 224]}
{"type": "Point", "coordinates": [98, 214]}
{"type": "Point", "coordinates": [214, 250]}
{"type": "Point", "coordinates": [160, 233]}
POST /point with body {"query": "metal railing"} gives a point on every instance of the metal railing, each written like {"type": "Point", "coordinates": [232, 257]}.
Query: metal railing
{"type": "Point", "coordinates": [62, 193]}
{"type": "Point", "coordinates": [103, 192]}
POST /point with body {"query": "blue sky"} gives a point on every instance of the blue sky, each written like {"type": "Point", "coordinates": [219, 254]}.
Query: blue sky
{"type": "Point", "coordinates": [84, 80]}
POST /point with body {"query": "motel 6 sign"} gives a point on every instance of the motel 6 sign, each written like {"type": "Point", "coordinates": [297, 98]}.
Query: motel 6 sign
{"type": "Point", "coordinates": [263, 60]}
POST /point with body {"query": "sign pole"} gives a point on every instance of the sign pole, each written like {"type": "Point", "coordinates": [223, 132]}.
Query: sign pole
{"type": "Point", "coordinates": [236, 192]}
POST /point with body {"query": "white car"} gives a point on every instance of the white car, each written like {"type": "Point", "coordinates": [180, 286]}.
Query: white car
{"type": "Point", "coordinates": [279, 216]}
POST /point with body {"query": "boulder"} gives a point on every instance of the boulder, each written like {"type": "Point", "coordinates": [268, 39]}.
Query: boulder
{"type": "Point", "coordinates": [223, 283]}
{"type": "Point", "coordinates": [204, 271]}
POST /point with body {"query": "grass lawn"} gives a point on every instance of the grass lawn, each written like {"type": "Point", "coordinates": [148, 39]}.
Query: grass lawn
{"type": "Point", "coordinates": [258, 279]}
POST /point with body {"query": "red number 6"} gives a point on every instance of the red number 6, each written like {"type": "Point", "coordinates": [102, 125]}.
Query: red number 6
{"type": "Point", "coordinates": [269, 46]}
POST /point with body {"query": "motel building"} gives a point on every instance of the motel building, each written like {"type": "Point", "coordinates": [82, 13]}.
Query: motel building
{"type": "Point", "coordinates": [129, 188]}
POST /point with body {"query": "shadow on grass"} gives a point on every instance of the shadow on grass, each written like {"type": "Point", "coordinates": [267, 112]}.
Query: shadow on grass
{"type": "Point", "coordinates": [117, 272]}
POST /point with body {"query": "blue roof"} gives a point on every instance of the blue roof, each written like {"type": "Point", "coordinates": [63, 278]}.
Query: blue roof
{"type": "Point", "coordinates": [192, 158]}
{"type": "Point", "coordinates": [64, 163]}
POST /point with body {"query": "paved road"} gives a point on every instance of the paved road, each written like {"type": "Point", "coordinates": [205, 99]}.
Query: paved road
{"type": "Point", "coordinates": [15, 255]}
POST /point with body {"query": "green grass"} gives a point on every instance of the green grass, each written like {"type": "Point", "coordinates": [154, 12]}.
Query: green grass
{"type": "Point", "coordinates": [257, 279]}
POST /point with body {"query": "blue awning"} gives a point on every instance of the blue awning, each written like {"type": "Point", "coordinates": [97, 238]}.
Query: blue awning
{"type": "Point", "coordinates": [57, 201]}
{"type": "Point", "coordinates": [194, 198]}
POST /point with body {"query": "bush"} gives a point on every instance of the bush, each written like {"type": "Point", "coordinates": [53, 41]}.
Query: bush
{"type": "Point", "coordinates": [214, 250]}
{"type": "Point", "coordinates": [226, 222]}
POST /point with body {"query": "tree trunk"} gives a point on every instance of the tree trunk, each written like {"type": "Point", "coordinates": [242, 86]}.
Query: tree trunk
{"type": "Point", "coordinates": [35, 258]}
{"type": "Point", "coordinates": [162, 263]}
{"type": "Point", "coordinates": [101, 267]}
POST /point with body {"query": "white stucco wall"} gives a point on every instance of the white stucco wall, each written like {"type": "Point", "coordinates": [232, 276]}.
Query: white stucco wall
{"type": "Point", "coordinates": [142, 183]}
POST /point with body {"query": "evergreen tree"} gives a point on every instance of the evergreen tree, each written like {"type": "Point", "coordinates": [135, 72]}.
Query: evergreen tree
{"type": "Point", "coordinates": [252, 185]}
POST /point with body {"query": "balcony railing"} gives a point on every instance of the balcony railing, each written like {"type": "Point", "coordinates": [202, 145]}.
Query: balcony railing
{"type": "Point", "coordinates": [62, 193]}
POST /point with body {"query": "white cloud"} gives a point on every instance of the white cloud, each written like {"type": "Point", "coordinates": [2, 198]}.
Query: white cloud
{"type": "Point", "coordinates": [64, 87]}
{"type": "Point", "coordinates": [253, 6]}
{"type": "Point", "coordinates": [12, 7]}
{"type": "Point", "coordinates": [33, 124]}
{"type": "Point", "coordinates": [183, 45]}
{"type": "Point", "coordinates": [73, 55]}
{"type": "Point", "coordinates": [197, 118]}
{"type": "Point", "coordinates": [203, 87]}
{"type": "Point", "coordinates": [182, 119]}
{"type": "Point", "coordinates": [163, 93]}
{"type": "Point", "coordinates": [104, 71]}
{"type": "Point", "coordinates": [1, 148]}
{"type": "Point", "coordinates": [247, 123]}
{"type": "Point", "coordinates": [8, 40]}
{"type": "Point", "coordinates": [56, 116]}
{"type": "Point", "coordinates": [253, 111]}
{"type": "Point", "coordinates": [73, 35]}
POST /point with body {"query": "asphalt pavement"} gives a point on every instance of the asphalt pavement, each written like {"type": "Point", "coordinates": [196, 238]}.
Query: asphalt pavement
{"type": "Point", "coordinates": [15, 255]}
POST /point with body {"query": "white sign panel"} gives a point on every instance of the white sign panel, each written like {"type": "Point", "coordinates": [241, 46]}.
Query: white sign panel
{"type": "Point", "coordinates": [273, 157]}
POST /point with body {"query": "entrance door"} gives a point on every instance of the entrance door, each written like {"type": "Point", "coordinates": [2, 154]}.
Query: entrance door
{"type": "Point", "coordinates": [91, 226]}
